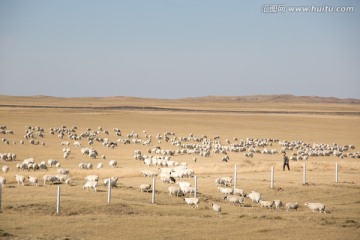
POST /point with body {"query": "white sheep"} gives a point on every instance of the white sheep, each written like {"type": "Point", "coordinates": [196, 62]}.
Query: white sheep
{"type": "Point", "coordinates": [30, 166]}
{"type": "Point", "coordinates": [65, 143]}
{"type": "Point", "coordinates": [92, 178]}
{"type": "Point", "coordinates": [68, 181]}
{"type": "Point", "coordinates": [62, 177]}
{"type": "Point", "coordinates": [89, 166]}
{"type": "Point", "coordinates": [33, 181]}
{"type": "Point", "coordinates": [34, 167]}
{"type": "Point", "coordinates": [2, 180]}
{"type": "Point", "coordinates": [277, 204]}
{"type": "Point", "coordinates": [178, 173]}
{"type": "Point", "coordinates": [316, 206]}
{"type": "Point", "coordinates": [50, 178]}
{"type": "Point", "coordinates": [268, 204]}
{"type": "Point", "coordinates": [77, 144]}
{"type": "Point", "coordinates": [99, 166]}
{"type": "Point", "coordinates": [93, 154]}
{"type": "Point", "coordinates": [66, 155]}
{"type": "Point", "coordinates": [145, 187]}
{"type": "Point", "coordinates": [43, 166]}
{"type": "Point", "coordinates": [82, 165]}
{"type": "Point", "coordinates": [147, 162]}
{"type": "Point", "coordinates": [21, 166]}
{"type": "Point", "coordinates": [235, 199]}
{"type": "Point", "coordinates": [165, 177]}
{"type": "Point", "coordinates": [63, 171]}
{"type": "Point", "coordinates": [254, 196]}
{"type": "Point", "coordinates": [28, 160]}
{"type": "Point", "coordinates": [149, 173]}
{"type": "Point", "coordinates": [186, 190]}
{"type": "Point", "coordinates": [189, 173]}
{"type": "Point", "coordinates": [20, 179]}
{"type": "Point", "coordinates": [225, 191]}
{"type": "Point", "coordinates": [291, 205]}
{"type": "Point", "coordinates": [224, 181]}
{"type": "Point", "coordinates": [173, 190]}
{"type": "Point", "coordinates": [238, 191]}
{"type": "Point", "coordinates": [5, 169]}
{"type": "Point", "coordinates": [91, 184]}
{"type": "Point", "coordinates": [216, 208]}
{"type": "Point", "coordinates": [52, 162]}
{"type": "Point", "coordinates": [192, 202]}
{"type": "Point", "coordinates": [183, 184]}
{"type": "Point", "coordinates": [113, 181]}
{"type": "Point", "coordinates": [113, 163]}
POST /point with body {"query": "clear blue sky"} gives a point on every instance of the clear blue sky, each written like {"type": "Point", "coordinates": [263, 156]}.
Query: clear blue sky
{"type": "Point", "coordinates": [177, 48]}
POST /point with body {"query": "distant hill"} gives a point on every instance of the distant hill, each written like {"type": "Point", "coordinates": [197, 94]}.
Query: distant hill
{"type": "Point", "coordinates": [282, 98]}
{"type": "Point", "coordinates": [225, 104]}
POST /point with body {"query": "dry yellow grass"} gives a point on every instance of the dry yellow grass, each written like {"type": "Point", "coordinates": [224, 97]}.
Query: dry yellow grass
{"type": "Point", "coordinates": [29, 212]}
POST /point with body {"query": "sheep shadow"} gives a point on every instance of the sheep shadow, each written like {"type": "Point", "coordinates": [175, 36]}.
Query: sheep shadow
{"type": "Point", "coordinates": [99, 190]}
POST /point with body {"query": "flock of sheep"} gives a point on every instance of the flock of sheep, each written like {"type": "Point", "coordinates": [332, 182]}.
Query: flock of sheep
{"type": "Point", "coordinates": [234, 196]}
{"type": "Point", "coordinates": [237, 196]}
{"type": "Point", "coordinates": [168, 170]}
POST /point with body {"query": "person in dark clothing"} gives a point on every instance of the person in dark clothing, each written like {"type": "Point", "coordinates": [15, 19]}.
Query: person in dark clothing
{"type": "Point", "coordinates": [286, 162]}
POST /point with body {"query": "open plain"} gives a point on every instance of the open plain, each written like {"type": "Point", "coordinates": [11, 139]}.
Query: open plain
{"type": "Point", "coordinates": [28, 212]}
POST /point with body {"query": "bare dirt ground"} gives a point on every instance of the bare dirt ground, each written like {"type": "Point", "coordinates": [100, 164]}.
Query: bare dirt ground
{"type": "Point", "coordinates": [28, 212]}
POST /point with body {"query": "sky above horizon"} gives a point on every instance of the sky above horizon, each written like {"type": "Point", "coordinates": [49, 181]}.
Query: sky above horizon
{"type": "Point", "coordinates": [178, 48]}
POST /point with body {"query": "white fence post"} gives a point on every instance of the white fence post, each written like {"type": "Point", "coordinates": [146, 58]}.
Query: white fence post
{"type": "Point", "coordinates": [272, 177]}
{"type": "Point", "coordinates": [304, 173]}
{"type": "Point", "coordinates": [153, 191]}
{"type": "Point", "coordinates": [235, 177]}
{"type": "Point", "coordinates": [109, 191]}
{"type": "Point", "coordinates": [336, 173]}
{"type": "Point", "coordinates": [58, 201]}
{"type": "Point", "coordinates": [195, 190]}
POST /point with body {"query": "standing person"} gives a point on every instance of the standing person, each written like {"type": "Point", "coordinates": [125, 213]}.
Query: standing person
{"type": "Point", "coordinates": [286, 162]}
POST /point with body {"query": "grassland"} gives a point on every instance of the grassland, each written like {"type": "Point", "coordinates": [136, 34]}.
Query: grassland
{"type": "Point", "coordinates": [29, 212]}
